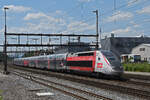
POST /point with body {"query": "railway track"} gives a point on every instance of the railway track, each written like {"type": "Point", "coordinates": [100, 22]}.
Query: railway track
{"type": "Point", "coordinates": [48, 73]}
{"type": "Point", "coordinates": [55, 86]}
{"type": "Point", "coordinates": [139, 77]}
{"type": "Point", "coordinates": [98, 83]}
{"type": "Point", "coordinates": [130, 81]}
{"type": "Point", "coordinates": [139, 82]}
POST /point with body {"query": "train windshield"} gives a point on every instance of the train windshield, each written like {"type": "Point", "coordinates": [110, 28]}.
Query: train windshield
{"type": "Point", "coordinates": [109, 55]}
{"type": "Point", "coordinates": [112, 58]}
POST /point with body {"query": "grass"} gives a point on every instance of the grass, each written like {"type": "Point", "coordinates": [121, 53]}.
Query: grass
{"type": "Point", "coordinates": [0, 95]}
{"type": "Point", "coordinates": [1, 98]}
{"type": "Point", "coordinates": [137, 67]}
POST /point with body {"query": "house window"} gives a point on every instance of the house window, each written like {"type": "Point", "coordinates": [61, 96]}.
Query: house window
{"type": "Point", "coordinates": [142, 49]}
{"type": "Point", "coordinates": [145, 59]}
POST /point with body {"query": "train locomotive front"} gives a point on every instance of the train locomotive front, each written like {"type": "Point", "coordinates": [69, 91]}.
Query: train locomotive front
{"type": "Point", "coordinates": [108, 64]}
{"type": "Point", "coordinates": [99, 61]}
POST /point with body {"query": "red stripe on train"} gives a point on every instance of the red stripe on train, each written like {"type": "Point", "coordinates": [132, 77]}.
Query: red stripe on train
{"type": "Point", "coordinates": [94, 60]}
{"type": "Point", "coordinates": [106, 60]}
{"type": "Point", "coordinates": [26, 63]}
{"type": "Point", "coordinates": [48, 64]}
{"type": "Point", "coordinates": [80, 58]}
{"type": "Point", "coordinates": [81, 68]}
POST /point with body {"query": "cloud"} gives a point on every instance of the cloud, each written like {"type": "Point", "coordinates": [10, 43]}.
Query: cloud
{"type": "Point", "coordinates": [145, 10]}
{"type": "Point", "coordinates": [42, 23]}
{"type": "Point", "coordinates": [58, 12]}
{"type": "Point", "coordinates": [120, 16]}
{"type": "Point", "coordinates": [85, 0]}
{"type": "Point", "coordinates": [128, 31]}
{"type": "Point", "coordinates": [79, 27]}
{"type": "Point", "coordinates": [42, 16]}
{"type": "Point", "coordinates": [53, 24]}
{"type": "Point", "coordinates": [133, 2]}
{"type": "Point", "coordinates": [122, 31]}
{"type": "Point", "coordinates": [135, 25]}
{"type": "Point", "coordinates": [30, 16]}
{"type": "Point", "coordinates": [49, 23]}
{"type": "Point", "coordinates": [14, 8]}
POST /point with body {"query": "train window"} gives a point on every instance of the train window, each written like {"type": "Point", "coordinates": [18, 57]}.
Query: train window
{"type": "Point", "coordinates": [109, 55]}
{"type": "Point", "coordinates": [112, 58]}
{"type": "Point", "coordinates": [86, 54]}
{"type": "Point", "coordinates": [80, 63]}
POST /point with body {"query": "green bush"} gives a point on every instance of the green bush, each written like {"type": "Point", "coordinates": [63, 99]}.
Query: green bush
{"type": "Point", "coordinates": [137, 67]}
{"type": "Point", "coordinates": [0, 95]}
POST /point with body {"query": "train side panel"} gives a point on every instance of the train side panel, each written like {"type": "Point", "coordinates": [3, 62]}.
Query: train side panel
{"type": "Point", "coordinates": [81, 61]}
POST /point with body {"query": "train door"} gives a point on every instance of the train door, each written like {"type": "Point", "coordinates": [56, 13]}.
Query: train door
{"type": "Point", "coordinates": [60, 61]}
{"type": "Point", "coordinates": [52, 62]}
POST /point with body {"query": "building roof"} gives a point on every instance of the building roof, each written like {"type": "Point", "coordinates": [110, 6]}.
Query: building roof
{"type": "Point", "coordinates": [146, 44]}
{"type": "Point", "coordinates": [142, 44]}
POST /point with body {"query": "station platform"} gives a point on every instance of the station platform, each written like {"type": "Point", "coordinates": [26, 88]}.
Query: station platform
{"type": "Point", "coordinates": [138, 75]}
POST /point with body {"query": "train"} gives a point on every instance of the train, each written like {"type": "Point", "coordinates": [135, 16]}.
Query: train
{"type": "Point", "coordinates": [101, 62]}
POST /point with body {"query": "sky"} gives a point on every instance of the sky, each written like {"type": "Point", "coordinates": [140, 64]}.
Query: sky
{"type": "Point", "coordinates": [125, 18]}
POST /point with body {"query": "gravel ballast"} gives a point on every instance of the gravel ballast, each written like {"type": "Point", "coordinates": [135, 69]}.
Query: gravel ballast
{"type": "Point", "coordinates": [16, 88]}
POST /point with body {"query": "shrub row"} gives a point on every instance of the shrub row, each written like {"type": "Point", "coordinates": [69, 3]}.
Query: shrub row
{"type": "Point", "coordinates": [0, 95]}
{"type": "Point", "coordinates": [137, 67]}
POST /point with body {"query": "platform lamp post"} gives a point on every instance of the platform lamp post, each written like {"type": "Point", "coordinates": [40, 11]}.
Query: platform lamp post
{"type": "Point", "coordinates": [5, 44]}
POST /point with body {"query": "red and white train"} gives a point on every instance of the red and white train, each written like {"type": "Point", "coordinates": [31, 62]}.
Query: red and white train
{"type": "Point", "coordinates": [98, 61]}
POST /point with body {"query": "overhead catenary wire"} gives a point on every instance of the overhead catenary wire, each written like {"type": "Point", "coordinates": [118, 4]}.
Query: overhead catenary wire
{"type": "Point", "coordinates": [128, 8]}
{"type": "Point", "coordinates": [108, 12]}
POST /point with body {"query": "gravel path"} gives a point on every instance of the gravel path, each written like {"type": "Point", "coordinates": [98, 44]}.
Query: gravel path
{"type": "Point", "coordinates": [16, 88]}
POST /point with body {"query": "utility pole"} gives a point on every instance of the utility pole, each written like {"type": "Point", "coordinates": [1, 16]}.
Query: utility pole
{"type": "Point", "coordinates": [5, 47]}
{"type": "Point", "coordinates": [49, 42]}
{"type": "Point", "coordinates": [100, 35]}
{"type": "Point", "coordinates": [96, 11]}
{"type": "Point", "coordinates": [41, 41]}
{"type": "Point", "coordinates": [79, 39]}
{"type": "Point", "coordinates": [61, 41]}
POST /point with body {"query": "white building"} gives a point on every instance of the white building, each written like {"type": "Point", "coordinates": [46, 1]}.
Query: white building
{"type": "Point", "coordinates": [143, 50]}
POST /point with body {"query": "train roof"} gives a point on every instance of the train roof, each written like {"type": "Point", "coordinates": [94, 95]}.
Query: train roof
{"type": "Point", "coordinates": [34, 57]}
